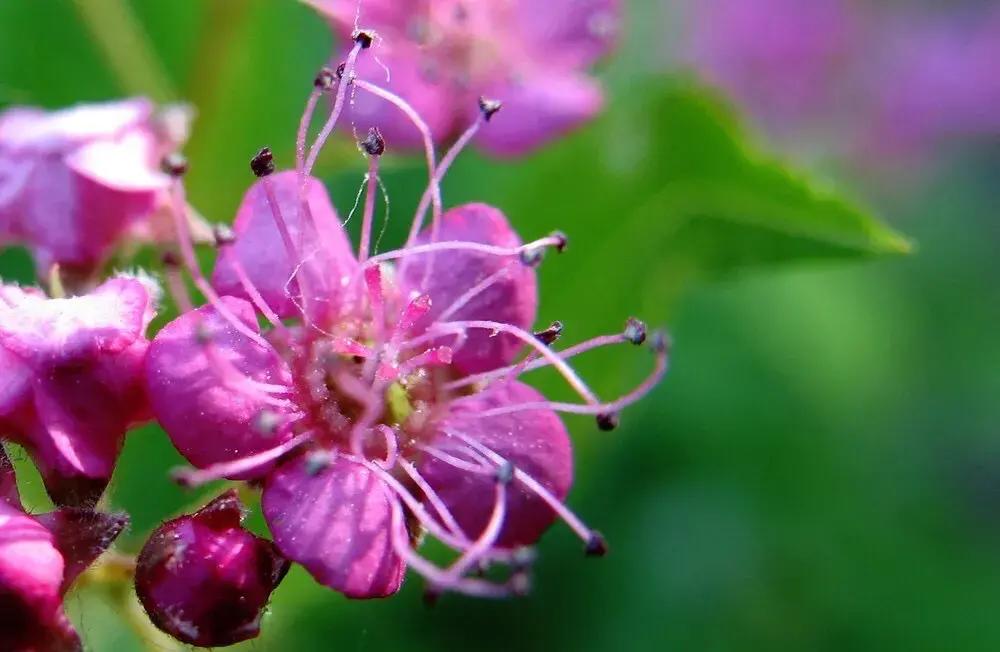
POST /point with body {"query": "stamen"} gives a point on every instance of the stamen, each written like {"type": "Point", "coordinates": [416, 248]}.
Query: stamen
{"type": "Point", "coordinates": [434, 499]}
{"type": "Point", "coordinates": [489, 536]}
{"type": "Point", "coordinates": [461, 245]}
{"type": "Point", "coordinates": [338, 107]}
{"type": "Point", "coordinates": [571, 519]}
{"type": "Point", "coordinates": [550, 334]}
{"type": "Point", "coordinates": [186, 244]}
{"type": "Point", "coordinates": [191, 478]}
{"type": "Point", "coordinates": [473, 292]}
{"type": "Point", "coordinates": [374, 146]}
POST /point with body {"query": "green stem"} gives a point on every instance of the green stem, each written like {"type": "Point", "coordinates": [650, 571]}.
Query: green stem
{"type": "Point", "coordinates": [126, 48]}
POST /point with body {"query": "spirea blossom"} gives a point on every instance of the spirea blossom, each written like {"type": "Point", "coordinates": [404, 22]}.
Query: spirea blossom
{"type": "Point", "coordinates": [71, 385]}
{"type": "Point", "coordinates": [40, 556]}
{"type": "Point", "coordinates": [440, 55]}
{"type": "Point", "coordinates": [383, 401]}
{"type": "Point", "coordinates": [76, 182]}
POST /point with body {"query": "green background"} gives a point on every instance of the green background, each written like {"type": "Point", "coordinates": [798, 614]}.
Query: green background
{"type": "Point", "coordinates": [820, 470]}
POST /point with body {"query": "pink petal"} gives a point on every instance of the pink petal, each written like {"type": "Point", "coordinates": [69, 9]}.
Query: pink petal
{"type": "Point", "coordinates": [28, 129]}
{"type": "Point", "coordinates": [378, 15]}
{"type": "Point", "coordinates": [46, 331]}
{"type": "Point", "coordinates": [209, 419]}
{"type": "Point", "coordinates": [260, 249]}
{"type": "Point", "coordinates": [336, 522]}
{"type": "Point", "coordinates": [533, 441]}
{"type": "Point", "coordinates": [420, 78]}
{"type": "Point", "coordinates": [31, 577]}
{"type": "Point", "coordinates": [67, 218]}
{"type": "Point", "coordinates": [127, 163]}
{"type": "Point", "coordinates": [512, 300]}
{"type": "Point", "coordinates": [539, 109]}
{"type": "Point", "coordinates": [574, 33]}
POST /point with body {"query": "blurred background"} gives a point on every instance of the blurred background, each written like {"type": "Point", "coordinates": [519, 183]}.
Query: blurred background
{"type": "Point", "coordinates": [820, 470]}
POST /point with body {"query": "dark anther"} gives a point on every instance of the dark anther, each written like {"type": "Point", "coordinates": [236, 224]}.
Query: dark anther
{"type": "Point", "coordinates": [373, 143]}
{"type": "Point", "coordinates": [660, 342]}
{"type": "Point", "coordinates": [170, 259]}
{"type": "Point", "coordinates": [523, 558]}
{"type": "Point", "coordinates": [550, 334]}
{"type": "Point", "coordinates": [174, 164]}
{"type": "Point", "coordinates": [520, 584]}
{"type": "Point", "coordinates": [532, 256]}
{"type": "Point", "coordinates": [505, 472]}
{"type": "Point", "coordinates": [364, 37]}
{"type": "Point", "coordinates": [561, 240]}
{"type": "Point", "coordinates": [635, 331]}
{"type": "Point", "coordinates": [317, 462]}
{"type": "Point", "coordinates": [431, 595]}
{"type": "Point", "coordinates": [202, 335]}
{"type": "Point", "coordinates": [341, 69]}
{"type": "Point", "coordinates": [607, 421]}
{"type": "Point", "coordinates": [181, 477]}
{"type": "Point", "coordinates": [223, 235]}
{"type": "Point", "coordinates": [325, 78]}
{"type": "Point", "coordinates": [596, 545]}
{"type": "Point", "coordinates": [266, 422]}
{"type": "Point", "coordinates": [262, 162]}
{"type": "Point", "coordinates": [489, 107]}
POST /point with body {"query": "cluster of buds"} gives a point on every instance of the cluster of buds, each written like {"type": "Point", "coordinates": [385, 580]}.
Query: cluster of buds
{"type": "Point", "coordinates": [374, 398]}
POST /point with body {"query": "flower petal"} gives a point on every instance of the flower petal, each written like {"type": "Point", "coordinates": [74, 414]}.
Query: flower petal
{"type": "Point", "coordinates": [259, 247]}
{"type": "Point", "coordinates": [208, 418]}
{"type": "Point", "coordinates": [336, 521]}
{"type": "Point", "coordinates": [76, 329]}
{"type": "Point", "coordinates": [533, 441]}
{"type": "Point", "coordinates": [539, 109]}
{"type": "Point", "coordinates": [574, 33]}
{"type": "Point", "coordinates": [81, 535]}
{"type": "Point", "coordinates": [126, 163]}
{"type": "Point", "coordinates": [29, 129]}
{"type": "Point", "coordinates": [31, 577]}
{"type": "Point", "coordinates": [512, 299]}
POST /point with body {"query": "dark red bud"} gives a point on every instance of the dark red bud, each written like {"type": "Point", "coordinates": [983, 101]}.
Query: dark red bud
{"type": "Point", "coordinates": [325, 78]}
{"type": "Point", "coordinates": [204, 579]}
{"type": "Point", "coordinates": [550, 334]}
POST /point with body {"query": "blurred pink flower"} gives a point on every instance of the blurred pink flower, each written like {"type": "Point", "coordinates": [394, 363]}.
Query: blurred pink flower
{"type": "Point", "coordinates": [71, 380]}
{"type": "Point", "coordinates": [40, 556]}
{"type": "Point", "coordinates": [74, 182]}
{"type": "Point", "coordinates": [441, 55]}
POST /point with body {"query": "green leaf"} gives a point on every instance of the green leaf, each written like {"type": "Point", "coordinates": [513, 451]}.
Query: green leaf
{"type": "Point", "coordinates": [675, 190]}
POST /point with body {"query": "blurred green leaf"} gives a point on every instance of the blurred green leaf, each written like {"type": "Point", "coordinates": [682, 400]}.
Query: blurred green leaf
{"type": "Point", "coordinates": [675, 189]}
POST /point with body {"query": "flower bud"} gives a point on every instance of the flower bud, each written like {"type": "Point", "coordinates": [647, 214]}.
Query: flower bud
{"type": "Point", "coordinates": [204, 579]}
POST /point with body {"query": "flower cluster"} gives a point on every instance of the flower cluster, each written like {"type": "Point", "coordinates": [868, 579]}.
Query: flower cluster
{"type": "Point", "coordinates": [373, 399]}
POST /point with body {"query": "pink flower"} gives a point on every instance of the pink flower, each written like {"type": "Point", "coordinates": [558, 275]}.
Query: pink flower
{"type": "Point", "coordinates": [40, 556]}
{"type": "Point", "coordinates": [781, 58]}
{"type": "Point", "coordinates": [383, 402]}
{"type": "Point", "coordinates": [204, 579]}
{"type": "Point", "coordinates": [440, 55]}
{"type": "Point", "coordinates": [75, 182]}
{"type": "Point", "coordinates": [71, 379]}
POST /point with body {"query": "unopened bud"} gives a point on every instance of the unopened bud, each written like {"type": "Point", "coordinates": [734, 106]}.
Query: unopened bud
{"type": "Point", "coordinates": [204, 579]}
{"type": "Point", "coordinates": [262, 162]}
